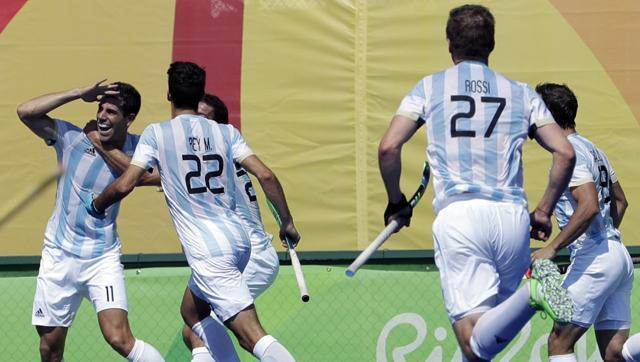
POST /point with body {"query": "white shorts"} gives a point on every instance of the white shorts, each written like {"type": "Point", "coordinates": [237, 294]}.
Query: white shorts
{"type": "Point", "coordinates": [482, 252]}
{"type": "Point", "coordinates": [599, 281]}
{"type": "Point", "coordinates": [219, 282]}
{"type": "Point", "coordinates": [262, 270]}
{"type": "Point", "coordinates": [64, 279]}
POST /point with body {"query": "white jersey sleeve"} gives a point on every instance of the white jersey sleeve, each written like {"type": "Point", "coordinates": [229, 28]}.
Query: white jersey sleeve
{"type": "Point", "coordinates": [540, 116]}
{"type": "Point", "coordinates": [414, 104]}
{"type": "Point", "coordinates": [146, 154]}
{"type": "Point", "coordinates": [239, 147]}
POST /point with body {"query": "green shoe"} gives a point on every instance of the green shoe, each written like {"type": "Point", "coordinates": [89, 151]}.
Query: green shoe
{"type": "Point", "coordinates": [547, 293]}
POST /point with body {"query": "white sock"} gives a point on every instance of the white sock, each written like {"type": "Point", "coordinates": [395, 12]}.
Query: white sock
{"type": "Point", "coordinates": [498, 326]}
{"type": "Point", "coordinates": [201, 354]}
{"type": "Point", "coordinates": [563, 358]}
{"type": "Point", "coordinates": [144, 352]}
{"type": "Point", "coordinates": [631, 349]}
{"type": "Point", "coordinates": [268, 349]}
{"type": "Point", "coordinates": [214, 335]}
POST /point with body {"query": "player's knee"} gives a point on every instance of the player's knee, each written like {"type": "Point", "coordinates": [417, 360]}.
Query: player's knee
{"type": "Point", "coordinates": [120, 340]}
{"type": "Point", "coordinates": [613, 352]}
{"type": "Point", "coordinates": [50, 352]}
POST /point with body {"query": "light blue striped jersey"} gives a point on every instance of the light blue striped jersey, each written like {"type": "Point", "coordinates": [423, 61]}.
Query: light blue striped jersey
{"type": "Point", "coordinates": [195, 157]}
{"type": "Point", "coordinates": [477, 121]}
{"type": "Point", "coordinates": [249, 211]}
{"type": "Point", "coordinates": [592, 165]}
{"type": "Point", "coordinates": [83, 170]}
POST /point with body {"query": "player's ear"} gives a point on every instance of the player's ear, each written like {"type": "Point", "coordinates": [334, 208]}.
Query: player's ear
{"type": "Point", "coordinates": [168, 96]}
{"type": "Point", "coordinates": [130, 119]}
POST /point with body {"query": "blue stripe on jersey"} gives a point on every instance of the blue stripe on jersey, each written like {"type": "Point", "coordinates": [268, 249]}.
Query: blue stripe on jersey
{"type": "Point", "coordinates": [89, 182]}
{"type": "Point", "coordinates": [418, 91]}
{"type": "Point", "coordinates": [515, 131]}
{"type": "Point", "coordinates": [439, 129]}
{"type": "Point", "coordinates": [67, 186]}
{"type": "Point", "coordinates": [169, 144]}
{"type": "Point", "coordinates": [491, 143]}
{"type": "Point", "coordinates": [465, 157]}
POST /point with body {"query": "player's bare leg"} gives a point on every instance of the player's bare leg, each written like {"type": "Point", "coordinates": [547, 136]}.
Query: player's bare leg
{"type": "Point", "coordinates": [563, 338]}
{"type": "Point", "coordinates": [114, 325]}
{"type": "Point", "coordinates": [610, 342]}
{"type": "Point", "coordinates": [463, 329]}
{"type": "Point", "coordinates": [52, 341]}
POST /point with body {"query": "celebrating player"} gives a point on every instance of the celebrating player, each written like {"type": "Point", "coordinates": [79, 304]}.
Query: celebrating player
{"type": "Point", "coordinates": [81, 257]}
{"type": "Point", "coordinates": [477, 121]}
{"type": "Point", "coordinates": [589, 212]}
{"type": "Point", "coordinates": [195, 157]}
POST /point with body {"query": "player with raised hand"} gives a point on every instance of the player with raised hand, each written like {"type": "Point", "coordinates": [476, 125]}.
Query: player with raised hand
{"type": "Point", "coordinates": [81, 255]}
{"type": "Point", "coordinates": [590, 210]}
{"type": "Point", "coordinates": [195, 158]}
{"type": "Point", "coordinates": [476, 122]}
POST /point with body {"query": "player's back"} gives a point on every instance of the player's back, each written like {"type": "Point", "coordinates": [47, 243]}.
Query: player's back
{"type": "Point", "coordinates": [477, 121]}
{"type": "Point", "coordinates": [592, 165]}
{"type": "Point", "coordinates": [196, 159]}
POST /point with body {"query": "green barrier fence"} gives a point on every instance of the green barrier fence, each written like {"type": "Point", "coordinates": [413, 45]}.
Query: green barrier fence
{"type": "Point", "coordinates": [392, 313]}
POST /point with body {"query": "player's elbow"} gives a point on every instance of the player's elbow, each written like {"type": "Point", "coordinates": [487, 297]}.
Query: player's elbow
{"type": "Point", "coordinates": [387, 149]}
{"type": "Point", "coordinates": [24, 112]}
{"type": "Point", "coordinates": [566, 156]}
{"type": "Point", "coordinates": [123, 187]}
{"type": "Point", "coordinates": [266, 176]}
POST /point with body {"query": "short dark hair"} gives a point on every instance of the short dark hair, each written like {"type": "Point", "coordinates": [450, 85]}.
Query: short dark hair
{"type": "Point", "coordinates": [562, 103]}
{"type": "Point", "coordinates": [186, 84]}
{"type": "Point", "coordinates": [471, 30]}
{"type": "Point", "coordinates": [220, 111]}
{"type": "Point", "coordinates": [129, 99]}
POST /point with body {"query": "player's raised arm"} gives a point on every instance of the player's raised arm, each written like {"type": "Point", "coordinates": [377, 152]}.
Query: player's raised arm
{"type": "Point", "coordinates": [34, 113]}
{"type": "Point", "coordinates": [552, 139]}
{"type": "Point", "coordinates": [399, 132]}
{"type": "Point", "coordinates": [116, 158]}
{"type": "Point", "coordinates": [274, 192]}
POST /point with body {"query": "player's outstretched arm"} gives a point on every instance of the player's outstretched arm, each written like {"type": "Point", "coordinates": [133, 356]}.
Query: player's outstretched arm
{"type": "Point", "coordinates": [116, 158]}
{"type": "Point", "coordinates": [118, 189]}
{"type": "Point", "coordinates": [399, 132]}
{"type": "Point", "coordinates": [552, 139]}
{"type": "Point", "coordinates": [34, 113]}
{"type": "Point", "coordinates": [274, 192]}
{"type": "Point", "coordinates": [619, 204]}
{"type": "Point", "coordinates": [586, 209]}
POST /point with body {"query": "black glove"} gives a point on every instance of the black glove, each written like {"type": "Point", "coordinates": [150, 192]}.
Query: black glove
{"type": "Point", "coordinates": [394, 208]}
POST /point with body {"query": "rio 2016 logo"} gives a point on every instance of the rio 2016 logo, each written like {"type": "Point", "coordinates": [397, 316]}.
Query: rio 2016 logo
{"type": "Point", "coordinates": [529, 345]}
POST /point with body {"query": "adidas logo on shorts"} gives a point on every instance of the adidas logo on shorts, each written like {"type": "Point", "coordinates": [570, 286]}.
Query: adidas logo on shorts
{"type": "Point", "coordinates": [39, 313]}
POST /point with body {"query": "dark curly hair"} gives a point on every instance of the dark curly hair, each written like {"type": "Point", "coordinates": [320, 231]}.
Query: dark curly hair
{"type": "Point", "coordinates": [186, 84]}
{"type": "Point", "coordinates": [562, 103]}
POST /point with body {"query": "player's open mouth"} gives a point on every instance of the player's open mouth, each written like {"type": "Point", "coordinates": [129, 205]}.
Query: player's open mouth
{"type": "Point", "coordinates": [104, 128]}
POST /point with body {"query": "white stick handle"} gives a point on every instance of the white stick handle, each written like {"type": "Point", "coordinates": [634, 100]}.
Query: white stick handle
{"type": "Point", "coordinates": [375, 244]}
{"type": "Point", "coordinates": [297, 270]}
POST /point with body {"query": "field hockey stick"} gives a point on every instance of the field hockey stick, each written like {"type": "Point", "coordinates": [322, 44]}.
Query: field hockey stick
{"type": "Point", "coordinates": [295, 262]}
{"type": "Point", "coordinates": [393, 226]}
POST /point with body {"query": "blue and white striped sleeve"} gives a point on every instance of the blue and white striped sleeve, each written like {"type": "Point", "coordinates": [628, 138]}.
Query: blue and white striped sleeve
{"type": "Point", "coordinates": [413, 104]}
{"type": "Point", "coordinates": [146, 154]}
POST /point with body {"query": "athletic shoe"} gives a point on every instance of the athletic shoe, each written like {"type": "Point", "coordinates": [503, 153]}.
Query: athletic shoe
{"type": "Point", "coordinates": [547, 293]}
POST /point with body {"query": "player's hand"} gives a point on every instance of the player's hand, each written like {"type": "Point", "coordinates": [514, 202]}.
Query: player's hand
{"type": "Point", "coordinates": [91, 130]}
{"type": "Point", "coordinates": [400, 211]}
{"type": "Point", "coordinates": [548, 252]}
{"type": "Point", "coordinates": [540, 225]}
{"type": "Point", "coordinates": [95, 92]}
{"type": "Point", "coordinates": [87, 200]}
{"type": "Point", "coordinates": [289, 231]}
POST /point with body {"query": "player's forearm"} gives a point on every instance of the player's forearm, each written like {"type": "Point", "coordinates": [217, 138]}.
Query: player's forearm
{"type": "Point", "coordinates": [559, 177]}
{"type": "Point", "coordinates": [115, 192]}
{"type": "Point", "coordinates": [577, 225]}
{"type": "Point", "coordinates": [390, 164]}
{"type": "Point", "coordinates": [619, 204]}
{"type": "Point", "coordinates": [40, 106]}
{"type": "Point", "coordinates": [120, 161]}
{"type": "Point", "coordinates": [273, 190]}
